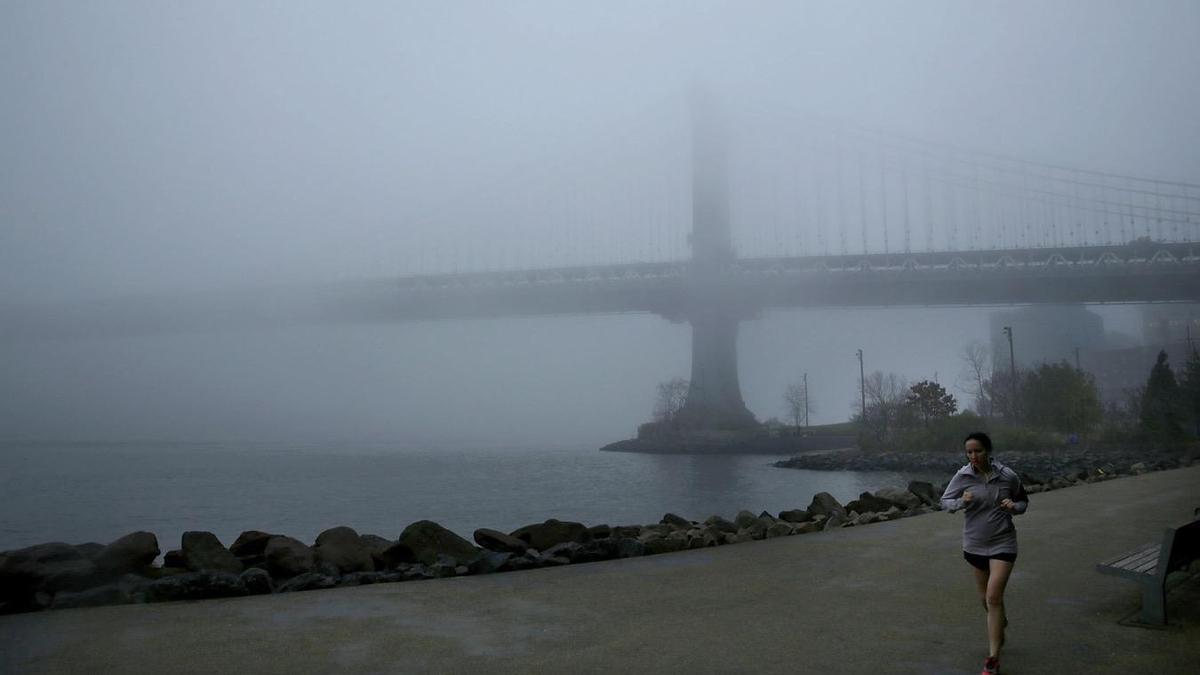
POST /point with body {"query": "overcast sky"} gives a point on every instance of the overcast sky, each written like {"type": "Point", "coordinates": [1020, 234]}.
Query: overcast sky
{"type": "Point", "coordinates": [150, 147]}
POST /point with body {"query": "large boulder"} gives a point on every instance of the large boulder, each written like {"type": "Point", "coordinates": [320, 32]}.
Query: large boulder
{"type": "Point", "coordinates": [287, 557]}
{"type": "Point", "coordinates": [744, 519]}
{"type": "Point", "coordinates": [425, 540]}
{"type": "Point", "coordinates": [376, 545]}
{"type": "Point", "coordinates": [494, 540]}
{"type": "Point", "coordinates": [677, 521]}
{"type": "Point", "coordinates": [250, 543]}
{"type": "Point", "coordinates": [869, 503]}
{"type": "Point", "coordinates": [545, 535]}
{"type": "Point", "coordinates": [823, 504]}
{"type": "Point", "coordinates": [902, 498]}
{"type": "Point", "coordinates": [720, 524]}
{"type": "Point", "coordinates": [344, 549]}
{"type": "Point", "coordinates": [925, 492]}
{"type": "Point", "coordinates": [256, 581]}
{"type": "Point", "coordinates": [48, 568]}
{"type": "Point", "coordinates": [795, 516]}
{"type": "Point", "coordinates": [202, 551]}
{"type": "Point", "coordinates": [130, 553]}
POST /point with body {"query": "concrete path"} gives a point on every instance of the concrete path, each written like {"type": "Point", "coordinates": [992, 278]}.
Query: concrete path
{"type": "Point", "coordinates": [886, 598]}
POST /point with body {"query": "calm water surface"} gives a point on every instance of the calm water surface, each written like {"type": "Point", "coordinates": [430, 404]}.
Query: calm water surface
{"type": "Point", "coordinates": [78, 493]}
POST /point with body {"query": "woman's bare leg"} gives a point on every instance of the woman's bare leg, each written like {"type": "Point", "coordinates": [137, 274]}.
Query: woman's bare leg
{"type": "Point", "coordinates": [981, 584]}
{"type": "Point", "coordinates": [994, 598]}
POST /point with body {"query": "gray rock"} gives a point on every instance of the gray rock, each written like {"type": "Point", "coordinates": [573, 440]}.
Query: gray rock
{"type": "Point", "coordinates": [544, 535]}
{"type": "Point", "coordinates": [925, 492]}
{"type": "Point", "coordinates": [630, 548]}
{"type": "Point", "coordinates": [203, 552]}
{"type": "Point", "coordinates": [834, 520]}
{"type": "Point", "coordinates": [779, 530]}
{"type": "Point", "coordinates": [376, 545]}
{"type": "Point", "coordinates": [309, 581]}
{"type": "Point", "coordinates": [494, 540]}
{"type": "Point", "coordinates": [655, 543]}
{"type": "Point", "coordinates": [193, 586]}
{"type": "Point", "coordinates": [600, 531]}
{"type": "Point", "coordinates": [744, 519]}
{"type": "Point", "coordinates": [660, 529]}
{"type": "Point", "coordinates": [49, 568]}
{"type": "Point", "coordinates": [426, 540]}
{"type": "Point", "coordinates": [868, 502]}
{"type": "Point", "coordinates": [626, 531]}
{"type": "Point", "coordinates": [488, 562]}
{"type": "Point", "coordinates": [677, 521]}
{"type": "Point", "coordinates": [287, 557]}
{"type": "Point", "coordinates": [127, 554]}
{"type": "Point", "coordinates": [810, 526]}
{"type": "Point", "coordinates": [256, 581]}
{"type": "Point", "coordinates": [90, 549]}
{"type": "Point", "coordinates": [174, 559]}
{"type": "Point", "coordinates": [823, 504]}
{"type": "Point", "coordinates": [343, 549]}
{"type": "Point", "coordinates": [358, 579]}
{"type": "Point", "coordinates": [720, 524]}
{"type": "Point", "coordinates": [250, 543]}
{"type": "Point", "coordinates": [569, 549]}
{"type": "Point", "coordinates": [795, 516]}
{"type": "Point", "coordinates": [901, 498]}
{"type": "Point", "coordinates": [445, 566]}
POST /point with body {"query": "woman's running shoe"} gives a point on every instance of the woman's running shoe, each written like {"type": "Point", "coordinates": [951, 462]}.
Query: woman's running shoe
{"type": "Point", "coordinates": [991, 666]}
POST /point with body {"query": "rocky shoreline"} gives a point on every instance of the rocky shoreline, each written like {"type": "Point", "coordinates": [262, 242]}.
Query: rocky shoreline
{"type": "Point", "coordinates": [57, 575]}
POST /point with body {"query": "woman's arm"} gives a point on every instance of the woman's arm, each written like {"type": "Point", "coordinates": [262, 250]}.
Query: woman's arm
{"type": "Point", "coordinates": [952, 497]}
{"type": "Point", "coordinates": [1020, 499]}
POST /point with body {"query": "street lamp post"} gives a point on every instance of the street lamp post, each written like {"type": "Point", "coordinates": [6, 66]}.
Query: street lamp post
{"type": "Point", "coordinates": [806, 400]}
{"type": "Point", "coordinates": [862, 386]}
{"type": "Point", "coordinates": [1012, 364]}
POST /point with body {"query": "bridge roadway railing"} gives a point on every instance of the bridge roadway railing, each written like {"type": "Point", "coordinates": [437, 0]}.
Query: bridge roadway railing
{"type": "Point", "coordinates": [1138, 272]}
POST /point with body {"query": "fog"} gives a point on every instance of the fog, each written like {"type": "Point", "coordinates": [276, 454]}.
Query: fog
{"type": "Point", "coordinates": [152, 150]}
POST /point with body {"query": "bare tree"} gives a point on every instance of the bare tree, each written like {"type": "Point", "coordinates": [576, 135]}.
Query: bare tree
{"type": "Point", "coordinates": [977, 370]}
{"type": "Point", "coordinates": [798, 404]}
{"type": "Point", "coordinates": [885, 395]}
{"type": "Point", "coordinates": [672, 394]}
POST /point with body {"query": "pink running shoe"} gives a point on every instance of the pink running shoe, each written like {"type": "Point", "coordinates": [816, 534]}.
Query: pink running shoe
{"type": "Point", "coordinates": [991, 666]}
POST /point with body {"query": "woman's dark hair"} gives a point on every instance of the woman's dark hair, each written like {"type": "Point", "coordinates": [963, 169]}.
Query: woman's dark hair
{"type": "Point", "coordinates": [981, 437]}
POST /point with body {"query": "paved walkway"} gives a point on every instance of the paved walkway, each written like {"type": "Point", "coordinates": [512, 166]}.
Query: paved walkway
{"type": "Point", "coordinates": [887, 598]}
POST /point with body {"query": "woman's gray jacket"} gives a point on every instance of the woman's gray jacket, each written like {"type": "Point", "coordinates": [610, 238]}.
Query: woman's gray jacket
{"type": "Point", "coordinates": [987, 529]}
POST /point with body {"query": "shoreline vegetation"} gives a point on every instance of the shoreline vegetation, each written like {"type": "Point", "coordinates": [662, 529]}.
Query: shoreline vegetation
{"type": "Point", "coordinates": [58, 575]}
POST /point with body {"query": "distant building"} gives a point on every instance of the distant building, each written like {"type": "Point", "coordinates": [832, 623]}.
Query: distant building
{"type": "Point", "coordinates": [1050, 334]}
{"type": "Point", "coordinates": [1120, 371]}
{"type": "Point", "coordinates": [1045, 334]}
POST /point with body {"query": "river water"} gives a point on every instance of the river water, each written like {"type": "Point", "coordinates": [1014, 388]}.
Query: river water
{"type": "Point", "coordinates": [99, 492]}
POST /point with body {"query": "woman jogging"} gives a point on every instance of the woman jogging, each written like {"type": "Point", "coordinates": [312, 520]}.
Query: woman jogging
{"type": "Point", "coordinates": [991, 494]}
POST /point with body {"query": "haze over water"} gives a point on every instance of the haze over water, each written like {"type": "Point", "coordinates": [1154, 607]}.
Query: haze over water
{"type": "Point", "coordinates": [155, 153]}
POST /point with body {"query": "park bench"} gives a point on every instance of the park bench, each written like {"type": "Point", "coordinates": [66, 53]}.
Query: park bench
{"type": "Point", "coordinates": [1149, 565]}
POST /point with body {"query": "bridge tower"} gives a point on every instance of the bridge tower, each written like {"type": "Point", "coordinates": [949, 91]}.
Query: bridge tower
{"type": "Point", "coordinates": [714, 398]}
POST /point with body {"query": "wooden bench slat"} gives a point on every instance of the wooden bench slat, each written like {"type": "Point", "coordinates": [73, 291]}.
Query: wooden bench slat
{"type": "Point", "coordinates": [1117, 561]}
{"type": "Point", "coordinates": [1147, 567]}
{"type": "Point", "coordinates": [1133, 559]}
{"type": "Point", "coordinates": [1135, 562]}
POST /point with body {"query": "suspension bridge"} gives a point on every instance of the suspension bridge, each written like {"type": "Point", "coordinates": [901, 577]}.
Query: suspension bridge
{"type": "Point", "coordinates": [814, 215]}
{"type": "Point", "coordinates": [849, 219]}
